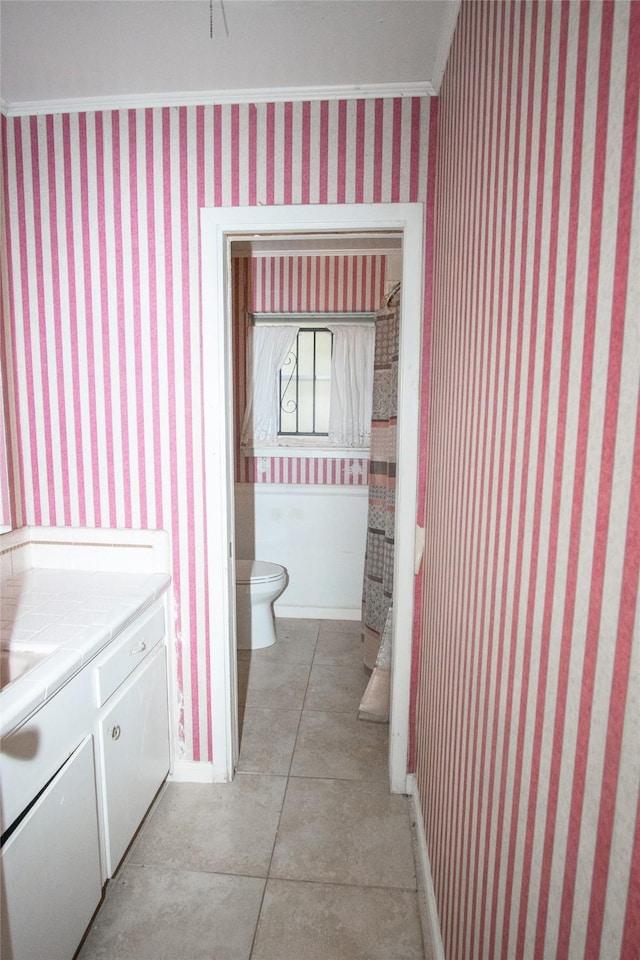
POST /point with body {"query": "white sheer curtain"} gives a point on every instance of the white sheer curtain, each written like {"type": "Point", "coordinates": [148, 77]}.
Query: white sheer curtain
{"type": "Point", "coordinates": [267, 348]}
{"type": "Point", "coordinates": [351, 384]}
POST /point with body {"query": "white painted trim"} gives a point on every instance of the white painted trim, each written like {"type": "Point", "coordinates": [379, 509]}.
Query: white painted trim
{"type": "Point", "coordinates": [318, 613]}
{"type": "Point", "coordinates": [188, 771]}
{"type": "Point", "coordinates": [426, 893]}
{"type": "Point", "coordinates": [196, 98]}
{"type": "Point", "coordinates": [310, 453]}
{"type": "Point", "coordinates": [218, 434]}
{"type": "Point", "coordinates": [444, 46]}
{"type": "Point", "coordinates": [313, 318]}
{"type": "Point", "coordinates": [409, 384]}
{"type": "Point", "coordinates": [284, 248]}
{"type": "Point", "coordinates": [301, 489]}
{"type": "Point", "coordinates": [218, 227]}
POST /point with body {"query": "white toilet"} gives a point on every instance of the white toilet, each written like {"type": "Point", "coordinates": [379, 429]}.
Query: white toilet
{"type": "Point", "coordinates": [258, 585]}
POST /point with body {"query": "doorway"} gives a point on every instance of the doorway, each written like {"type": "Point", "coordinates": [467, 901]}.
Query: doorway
{"type": "Point", "coordinates": [219, 228]}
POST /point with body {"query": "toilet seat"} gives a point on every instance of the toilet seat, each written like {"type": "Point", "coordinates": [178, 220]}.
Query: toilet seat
{"type": "Point", "coordinates": [257, 571]}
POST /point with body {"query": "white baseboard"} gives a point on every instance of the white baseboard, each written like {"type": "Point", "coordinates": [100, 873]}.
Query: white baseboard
{"type": "Point", "coordinates": [426, 893]}
{"type": "Point", "coordinates": [317, 613]}
{"type": "Point", "coordinates": [190, 771]}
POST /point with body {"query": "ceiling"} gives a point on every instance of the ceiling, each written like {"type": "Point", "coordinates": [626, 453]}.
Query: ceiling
{"type": "Point", "coordinates": [61, 54]}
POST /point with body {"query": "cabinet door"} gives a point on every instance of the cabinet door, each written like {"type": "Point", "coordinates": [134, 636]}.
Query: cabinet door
{"type": "Point", "coordinates": [134, 739]}
{"type": "Point", "coordinates": [51, 867]}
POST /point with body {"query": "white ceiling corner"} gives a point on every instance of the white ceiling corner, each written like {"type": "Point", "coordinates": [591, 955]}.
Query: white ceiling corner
{"type": "Point", "coordinates": [68, 55]}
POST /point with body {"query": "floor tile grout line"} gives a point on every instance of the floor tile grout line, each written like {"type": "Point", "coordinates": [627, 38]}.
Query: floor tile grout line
{"type": "Point", "coordinates": [288, 777]}
{"type": "Point", "coordinates": [171, 868]}
{"type": "Point", "coordinates": [284, 798]}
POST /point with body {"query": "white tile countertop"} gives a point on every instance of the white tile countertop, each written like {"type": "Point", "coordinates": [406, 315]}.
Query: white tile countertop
{"type": "Point", "coordinates": [52, 622]}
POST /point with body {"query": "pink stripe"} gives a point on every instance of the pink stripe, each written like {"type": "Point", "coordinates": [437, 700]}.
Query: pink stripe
{"type": "Point", "coordinates": [91, 353]}
{"type": "Point", "coordinates": [78, 411]}
{"type": "Point", "coordinates": [217, 156]}
{"type": "Point", "coordinates": [414, 167]}
{"type": "Point", "coordinates": [316, 289]}
{"type": "Point", "coordinates": [235, 154]}
{"type": "Point", "coordinates": [397, 144]}
{"type": "Point", "coordinates": [104, 312]}
{"type": "Point", "coordinates": [377, 151]}
{"type": "Point", "coordinates": [360, 150]}
{"type": "Point", "coordinates": [124, 389]}
{"type": "Point", "coordinates": [290, 293]}
{"type": "Point", "coordinates": [44, 359]}
{"type": "Point", "coordinates": [153, 320]}
{"type": "Point", "coordinates": [57, 320]}
{"type": "Point", "coordinates": [306, 152]}
{"type": "Point", "coordinates": [323, 149]}
{"type": "Point", "coordinates": [270, 153]}
{"type": "Point", "coordinates": [288, 150]}
{"type": "Point", "coordinates": [342, 150]}
{"type": "Point", "coordinates": [349, 267]}
{"type": "Point", "coordinates": [253, 158]}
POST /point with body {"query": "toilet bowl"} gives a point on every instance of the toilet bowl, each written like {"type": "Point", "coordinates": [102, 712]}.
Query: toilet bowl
{"type": "Point", "coordinates": [258, 585]}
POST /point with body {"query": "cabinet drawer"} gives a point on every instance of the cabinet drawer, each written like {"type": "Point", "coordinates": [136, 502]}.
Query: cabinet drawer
{"type": "Point", "coordinates": [127, 652]}
{"type": "Point", "coordinates": [32, 753]}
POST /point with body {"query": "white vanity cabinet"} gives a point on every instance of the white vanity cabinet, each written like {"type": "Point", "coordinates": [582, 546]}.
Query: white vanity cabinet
{"type": "Point", "coordinates": [79, 772]}
{"type": "Point", "coordinates": [51, 866]}
{"type": "Point", "coordinates": [132, 734]}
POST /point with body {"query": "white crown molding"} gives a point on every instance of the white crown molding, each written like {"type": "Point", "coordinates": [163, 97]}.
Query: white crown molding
{"type": "Point", "coordinates": [444, 46]}
{"type": "Point", "coordinates": [372, 91]}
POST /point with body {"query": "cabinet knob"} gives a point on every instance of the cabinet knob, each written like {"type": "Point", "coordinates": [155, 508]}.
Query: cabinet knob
{"type": "Point", "coordinates": [139, 649]}
{"type": "Point", "coordinates": [115, 732]}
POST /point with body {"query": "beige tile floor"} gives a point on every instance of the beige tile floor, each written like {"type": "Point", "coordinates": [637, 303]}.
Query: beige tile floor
{"type": "Point", "coordinates": [305, 855]}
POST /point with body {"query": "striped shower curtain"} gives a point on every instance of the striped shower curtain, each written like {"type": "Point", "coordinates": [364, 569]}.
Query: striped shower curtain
{"type": "Point", "coordinates": [378, 572]}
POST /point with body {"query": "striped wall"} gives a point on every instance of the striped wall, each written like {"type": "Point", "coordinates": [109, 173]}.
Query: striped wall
{"type": "Point", "coordinates": [528, 711]}
{"type": "Point", "coordinates": [293, 284]}
{"type": "Point", "coordinates": [5, 495]}
{"type": "Point", "coordinates": [102, 337]}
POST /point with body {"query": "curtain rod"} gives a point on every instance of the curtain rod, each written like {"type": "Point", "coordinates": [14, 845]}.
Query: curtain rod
{"type": "Point", "coordinates": [314, 316]}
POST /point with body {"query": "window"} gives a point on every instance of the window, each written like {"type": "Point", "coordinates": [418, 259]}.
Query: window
{"type": "Point", "coordinates": [309, 385]}
{"type": "Point", "coordinates": [305, 385]}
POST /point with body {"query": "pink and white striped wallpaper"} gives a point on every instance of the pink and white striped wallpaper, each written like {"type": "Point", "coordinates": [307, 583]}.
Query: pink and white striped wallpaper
{"type": "Point", "coordinates": [102, 332]}
{"type": "Point", "coordinates": [299, 284]}
{"type": "Point", "coordinates": [527, 667]}
{"type": "Point", "coordinates": [527, 741]}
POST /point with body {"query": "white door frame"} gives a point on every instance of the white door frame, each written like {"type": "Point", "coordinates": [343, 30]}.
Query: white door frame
{"type": "Point", "coordinates": [219, 226]}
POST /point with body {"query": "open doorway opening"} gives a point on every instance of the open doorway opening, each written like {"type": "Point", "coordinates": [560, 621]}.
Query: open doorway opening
{"type": "Point", "coordinates": [221, 229]}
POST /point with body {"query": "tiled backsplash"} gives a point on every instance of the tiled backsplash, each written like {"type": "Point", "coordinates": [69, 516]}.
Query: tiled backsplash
{"type": "Point", "coordinates": [81, 548]}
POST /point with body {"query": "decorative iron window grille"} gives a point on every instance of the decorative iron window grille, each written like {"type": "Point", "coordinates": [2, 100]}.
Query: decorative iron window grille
{"type": "Point", "coordinates": [305, 385]}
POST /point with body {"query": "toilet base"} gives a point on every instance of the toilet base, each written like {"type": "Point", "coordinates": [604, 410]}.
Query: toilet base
{"type": "Point", "coordinates": [255, 626]}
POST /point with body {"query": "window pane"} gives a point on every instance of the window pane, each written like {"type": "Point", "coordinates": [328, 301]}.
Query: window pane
{"type": "Point", "coordinates": [305, 406]}
{"type": "Point", "coordinates": [304, 381]}
{"type": "Point", "coordinates": [323, 390]}
{"type": "Point", "coordinates": [323, 354]}
{"type": "Point", "coordinates": [305, 353]}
